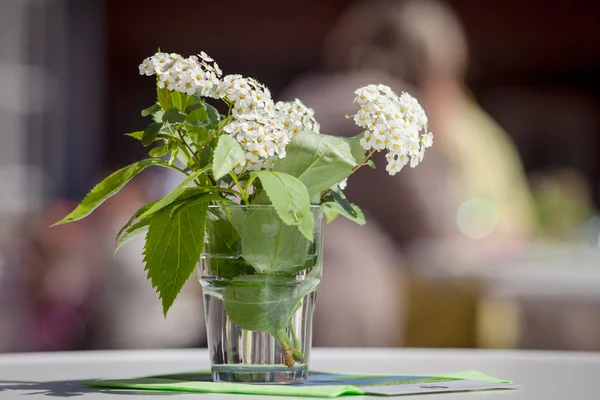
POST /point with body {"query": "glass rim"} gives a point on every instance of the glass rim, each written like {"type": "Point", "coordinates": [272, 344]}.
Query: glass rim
{"type": "Point", "coordinates": [254, 206]}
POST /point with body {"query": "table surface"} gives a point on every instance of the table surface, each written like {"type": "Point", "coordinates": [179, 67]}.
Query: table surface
{"type": "Point", "coordinates": [545, 375]}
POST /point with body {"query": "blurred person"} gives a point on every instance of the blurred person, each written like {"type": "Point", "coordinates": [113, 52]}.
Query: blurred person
{"type": "Point", "coordinates": [62, 288]}
{"type": "Point", "coordinates": [47, 284]}
{"type": "Point", "coordinates": [468, 201]}
{"type": "Point", "coordinates": [472, 185]}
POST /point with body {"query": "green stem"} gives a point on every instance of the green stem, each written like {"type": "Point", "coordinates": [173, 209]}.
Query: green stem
{"type": "Point", "coordinates": [230, 104]}
{"type": "Point", "coordinates": [218, 189]}
{"type": "Point", "coordinates": [243, 195]}
{"type": "Point", "coordinates": [184, 149]}
{"type": "Point", "coordinates": [286, 347]}
{"type": "Point", "coordinates": [217, 131]}
{"type": "Point", "coordinates": [249, 183]}
{"type": "Point", "coordinates": [174, 168]}
{"type": "Point", "coordinates": [353, 169]}
{"type": "Point", "coordinates": [363, 162]}
{"type": "Point", "coordinates": [222, 190]}
{"type": "Point", "coordinates": [296, 345]}
{"type": "Point", "coordinates": [188, 147]}
{"type": "Point", "coordinates": [282, 338]}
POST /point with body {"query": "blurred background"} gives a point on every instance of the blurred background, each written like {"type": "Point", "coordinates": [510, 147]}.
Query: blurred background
{"type": "Point", "coordinates": [492, 242]}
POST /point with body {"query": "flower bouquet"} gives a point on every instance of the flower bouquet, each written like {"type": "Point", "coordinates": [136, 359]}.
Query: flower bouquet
{"type": "Point", "coordinates": [258, 179]}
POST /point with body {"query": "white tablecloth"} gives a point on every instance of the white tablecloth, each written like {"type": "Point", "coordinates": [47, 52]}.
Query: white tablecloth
{"type": "Point", "coordinates": [546, 375]}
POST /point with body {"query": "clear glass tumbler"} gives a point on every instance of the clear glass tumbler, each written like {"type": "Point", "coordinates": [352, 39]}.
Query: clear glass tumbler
{"type": "Point", "coordinates": [259, 278]}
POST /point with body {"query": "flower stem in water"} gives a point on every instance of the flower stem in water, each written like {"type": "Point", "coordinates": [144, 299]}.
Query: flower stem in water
{"type": "Point", "coordinates": [284, 342]}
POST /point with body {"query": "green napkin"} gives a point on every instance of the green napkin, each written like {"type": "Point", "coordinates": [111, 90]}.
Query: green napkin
{"type": "Point", "coordinates": [330, 385]}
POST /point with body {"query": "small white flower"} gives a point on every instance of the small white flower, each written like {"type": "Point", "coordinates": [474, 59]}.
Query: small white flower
{"type": "Point", "coordinates": [188, 86]}
{"type": "Point", "coordinates": [217, 70]}
{"type": "Point", "coordinates": [414, 161]}
{"type": "Point", "coordinates": [205, 57]}
{"type": "Point", "coordinates": [207, 67]}
{"type": "Point", "coordinates": [197, 76]}
{"type": "Point", "coordinates": [258, 97]}
{"type": "Point", "coordinates": [427, 140]}
{"type": "Point", "coordinates": [147, 67]}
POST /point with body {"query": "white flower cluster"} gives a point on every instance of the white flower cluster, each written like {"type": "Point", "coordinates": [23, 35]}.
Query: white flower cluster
{"type": "Point", "coordinates": [262, 127]}
{"type": "Point", "coordinates": [393, 123]}
{"type": "Point", "coordinates": [255, 124]}
{"type": "Point", "coordinates": [296, 117]}
{"type": "Point", "coordinates": [186, 75]}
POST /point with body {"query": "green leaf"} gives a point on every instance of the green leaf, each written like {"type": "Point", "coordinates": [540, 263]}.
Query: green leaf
{"type": "Point", "coordinates": [136, 135]}
{"type": "Point", "coordinates": [164, 97]}
{"type": "Point", "coordinates": [222, 250]}
{"type": "Point", "coordinates": [260, 198]}
{"type": "Point", "coordinates": [227, 268]}
{"type": "Point", "coordinates": [358, 152]}
{"type": "Point", "coordinates": [198, 136]}
{"type": "Point", "coordinates": [173, 247]}
{"type": "Point", "coordinates": [318, 160]}
{"type": "Point", "coordinates": [151, 133]}
{"type": "Point", "coordinates": [332, 209]}
{"type": "Point", "coordinates": [174, 116]}
{"type": "Point", "coordinates": [235, 214]}
{"type": "Point", "coordinates": [171, 99]}
{"type": "Point", "coordinates": [343, 201]}
{"type": "Point", "coordinates": [290, 198]}
{"type": "Point", "coordinates": [198, 125]}
{"type": "Point", "coordinates": [159, 151]}
{"type": "Point", "coordinates": [174, 194]}
{"type": "Point", "coordinates": [107, 188]}
{"type": "Point", "coordinates": [222, 239]}
{"type": "Point", "coordinates": [191, 108]}
{"type": "Point", "coordinates": [205, 156]}
{"type": "Point", "coordinates": [213, 115]}
{"type": "Point", "coordinates": [371, 164]}
{"type": "Point", "coordinates": [132, 232]}
{"type": "Point", "coordinates": [151, 110]}
{"type": "Point", "coordinates": [157, 116]}
{"type": "Point", "coordinates": [271, 246]}
{"type": "Point", "coordinates": [173, 157]}
{"type": "Point", "coordinates": [198, 117]}
{"type": "Point", "coordinates": [134, 217]}
{"type": "Point", "coordinates": [261, 303]}
{"type": "Point", "coordinates": [228, 154]}
{"type": "Point", "coordinates": [310, 284]}
{"type": "Point", "coordinates": [338, 204]}
{"type": "Point", "coordinates": [194, 200]}
{"type": "Point", "coordinates": [205, 116]}
{"type": "Point", "coordinates": [177, 99]}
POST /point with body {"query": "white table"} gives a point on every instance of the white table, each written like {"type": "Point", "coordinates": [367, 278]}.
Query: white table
{"type": "Point", "coordinates": [546, 375]}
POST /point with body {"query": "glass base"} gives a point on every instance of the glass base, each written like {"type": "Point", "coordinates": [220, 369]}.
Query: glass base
{"type": "Point", "coordinates": [257, 374]}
